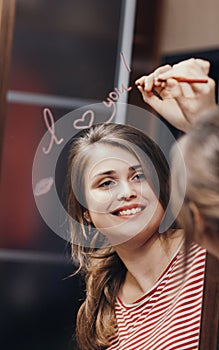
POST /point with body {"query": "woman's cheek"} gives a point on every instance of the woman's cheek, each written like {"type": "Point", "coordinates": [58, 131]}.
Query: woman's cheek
{"type": "Point", "coordinates": [98, 200]}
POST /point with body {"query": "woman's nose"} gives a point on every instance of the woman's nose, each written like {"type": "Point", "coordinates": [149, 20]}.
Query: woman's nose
{"type": "Point", "coordinates": [126, 191]}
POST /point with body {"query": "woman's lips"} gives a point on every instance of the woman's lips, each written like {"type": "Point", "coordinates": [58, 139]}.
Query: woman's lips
{"type": "Point", "coordinates": [128, 210]}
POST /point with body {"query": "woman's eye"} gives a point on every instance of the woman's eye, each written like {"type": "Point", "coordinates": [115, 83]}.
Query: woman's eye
{"type": "Point", "coordinates": [106, 183]}
{"type": "Point", "coordinates": [139, 176]}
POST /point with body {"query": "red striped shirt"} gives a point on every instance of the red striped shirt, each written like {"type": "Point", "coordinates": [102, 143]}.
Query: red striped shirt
{"type": "Point", "coordinates": [168, 316]}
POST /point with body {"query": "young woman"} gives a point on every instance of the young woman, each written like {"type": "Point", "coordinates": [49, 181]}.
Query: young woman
{"type": "Point", "coordinates": [140, 293]}
{"type": "Point", "coordinates": [200, 213]}
{"type": "Point", "coordinates": [191, 107]}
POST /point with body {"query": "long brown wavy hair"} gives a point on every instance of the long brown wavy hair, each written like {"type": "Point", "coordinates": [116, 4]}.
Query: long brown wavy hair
{"type": "Point", "coordinates": [103, 270]}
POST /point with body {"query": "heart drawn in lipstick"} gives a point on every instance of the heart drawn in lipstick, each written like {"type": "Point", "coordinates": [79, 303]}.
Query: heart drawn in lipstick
{"type": "Point", "coordinates": [85, 121]}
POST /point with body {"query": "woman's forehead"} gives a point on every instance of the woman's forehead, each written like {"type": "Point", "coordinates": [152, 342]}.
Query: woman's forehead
{"type": "Point", "coordinates": [104, 151]}
{"type": "Point", "coordinates": [106, 157]}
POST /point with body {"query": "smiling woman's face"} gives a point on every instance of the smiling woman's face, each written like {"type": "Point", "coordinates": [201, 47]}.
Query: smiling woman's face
{"type": "Point", "coordinates": [119, 199]}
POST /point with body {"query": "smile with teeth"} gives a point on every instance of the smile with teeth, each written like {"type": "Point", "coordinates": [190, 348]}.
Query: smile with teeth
{"type": "Point", "coordinates": [127, 212]}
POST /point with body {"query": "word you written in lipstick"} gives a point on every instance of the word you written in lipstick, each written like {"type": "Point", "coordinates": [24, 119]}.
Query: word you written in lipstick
{"type": "Point", "coordinates": [85, 121]}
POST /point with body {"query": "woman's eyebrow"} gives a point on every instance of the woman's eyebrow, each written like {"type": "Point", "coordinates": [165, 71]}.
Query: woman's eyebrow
{"type": "Point", "coordinates": [108, 172]}
{"type": "Point", "coordinates": [113, 172]}
{"type": "Point", "coordinates": [135, 167]}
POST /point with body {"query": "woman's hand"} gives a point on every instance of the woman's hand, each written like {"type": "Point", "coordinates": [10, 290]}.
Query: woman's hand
{"type": "Point", "coordinates": [180, 103]}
